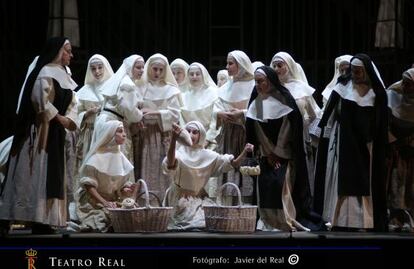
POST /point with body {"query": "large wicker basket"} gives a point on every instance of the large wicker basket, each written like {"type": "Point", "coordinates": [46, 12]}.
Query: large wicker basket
{"type": "Point", "coordinates": [230, 219]}
{"type": "Point", "coordinates": [146, 219]}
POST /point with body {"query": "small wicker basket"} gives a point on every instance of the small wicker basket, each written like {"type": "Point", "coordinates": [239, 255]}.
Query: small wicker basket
{"type": "Point", "coordinates": [230, 219]}
{"type": "Point", "coordinates": [146, 219]}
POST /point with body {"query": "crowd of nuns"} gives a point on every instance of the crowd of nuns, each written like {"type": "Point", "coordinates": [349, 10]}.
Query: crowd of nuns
{"type": "Point", "coordinates": [78, 151]}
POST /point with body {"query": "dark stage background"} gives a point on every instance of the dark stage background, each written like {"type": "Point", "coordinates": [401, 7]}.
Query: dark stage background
{"type": "Point", "coordinates": [313, 32]}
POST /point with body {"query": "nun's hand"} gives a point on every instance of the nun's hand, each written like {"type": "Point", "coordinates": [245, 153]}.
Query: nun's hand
{"type": "Point", "coordinates": [176, 130]}
{"type": "Point", "coordinates": [249, 147]}
{"type": "Point", "coordinates": [236, 114]}
{"type": "Point", "coordinates": [108, 204]}
{"type": "Point", "coordinates": [224, 116]}
{"type": "Point", "coordinates": [274, 161]}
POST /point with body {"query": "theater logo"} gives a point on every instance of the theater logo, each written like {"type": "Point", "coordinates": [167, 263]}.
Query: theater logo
{"type": "Point", "coordinates": [31, 258]}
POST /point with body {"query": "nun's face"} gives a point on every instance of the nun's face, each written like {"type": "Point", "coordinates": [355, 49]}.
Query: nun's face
{"type": "Point", "coordinates": [195, 75]}
{"type": "Point", "coordinates": [221, 79]}
{"type": "Point", "coordinates": [179, 74]}
{"type": "Point", "coordinates": [407, 86]}
{"type": "Point", "coordinates": [194, 134]}
{"type": "Point", "coordinates": [281, 68]}
{"type": "Point", "coordinates": [232, 66]}
{"type": "Point", "coordinates": [358, 74]}
{"type": "Point", "coordinates": [67, 54]}
{"type": "Point", "coordinates": [343, 67]}
{"type": "Point", "coordinates": [138, 69]}
{"type": "Point", "coordinates": [97, 69]}
{"type": "Point", "coordinates": [157, 71]}
{"type": "Point", "coordinates": [120, 135]}
{"type": "Point", "coordinates": [262, 84]}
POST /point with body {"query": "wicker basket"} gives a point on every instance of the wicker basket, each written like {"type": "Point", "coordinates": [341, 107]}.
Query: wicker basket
{"type": "Point", "coordinates": [146, 219]}
{"type": "Point", "coordinates": [230, 219]}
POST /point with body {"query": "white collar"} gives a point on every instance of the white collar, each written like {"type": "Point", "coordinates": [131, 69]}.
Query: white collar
{"type": "Point", "coordinates": [58, 73]}
{"type": "Point", "coordinates": [267, 109]}
{"type": "Point", "coordinates": [236, 91]}
{"type": "Point", "coordinates": [298, 89]}
{"type": "Point", "coordinates": [349, 93]}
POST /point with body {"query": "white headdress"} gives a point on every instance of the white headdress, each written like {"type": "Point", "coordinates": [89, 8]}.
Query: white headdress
{"type": "Point", "coordinates": [105, 154]}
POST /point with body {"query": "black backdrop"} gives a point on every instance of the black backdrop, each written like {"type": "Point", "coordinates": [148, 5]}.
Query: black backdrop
{"type": "Point", "coordinates": [313, 32]}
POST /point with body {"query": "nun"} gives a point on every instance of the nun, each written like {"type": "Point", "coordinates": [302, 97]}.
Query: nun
{"type": "Point", "coordinates": [274, 126]}
{"type": "Point", "coordinates": [401, 160]}
{"type": "Point", "coordinates": [229, 119]}
{"type": "Point", "coordinates": [161, 109]}
{"type": "Point", "coordinates": [354, 125]}
{"type": "Point", "coordinates": [34, 189]}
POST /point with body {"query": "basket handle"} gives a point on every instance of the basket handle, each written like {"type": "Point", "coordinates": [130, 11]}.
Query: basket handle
{"type": "Point", "coordinates": [150, 193]}
{"type": "Point", "coordinates": [147, 204]}
{"type": "Point", "coordinates": [220, 193]}
{"type": "Point", "coordinates": [164, 201]}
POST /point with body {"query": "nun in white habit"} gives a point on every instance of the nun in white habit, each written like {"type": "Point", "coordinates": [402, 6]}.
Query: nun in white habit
{"type": "Point", "coordinates": [90, 101]}
{"type": "Point", "coordinates": [104, 178]}
{"type": "Point", "coordinates": [222, 77]}
{"type": "Point", "coordinates": [121, 101]}
{"type": "Point", "coordinates": [138, 76]}
{"type": "Point", "coordinates": [292, 77]}
{"type": "Point", "coordinates": [161, 108]}
{"type": "Point", "coordinates": [190, 167]}
{"type": "Point", "coordinates": [229, 119]}
{"type": "Point", "coordinates": [199, 100]}
{"type": "Point", "coordinates": [179, 67]}
{"type": "Point", "coordinates": [341, 66]}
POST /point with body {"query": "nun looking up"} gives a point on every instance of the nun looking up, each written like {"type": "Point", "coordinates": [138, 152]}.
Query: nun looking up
{"type": "Point", "coordinates": [190, 167]}
{"type": "Point", "coordinates": [161, 108]}
{"type": "Point", "coordinates": [34, 190]}
{"type": "Point", "coordinates": [351, 183]}
{"type": "Point", "coordinates": [274, 127]}
{"type": "Point", "coordinates": [229, 118]}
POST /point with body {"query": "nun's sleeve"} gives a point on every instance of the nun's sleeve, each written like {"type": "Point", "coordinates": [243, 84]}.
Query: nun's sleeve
{"type": "Point", "coordinates": [128, 103]}
{"type": "Point", "coordinates": [41, 99]}
{"type": "Point", "coordinates": [283, 147]}
{"type": "Point", "coordinates": [216, 122]}
{"type": "Point", "coordinates": [89, 178]}
{"type": "Point", "coordinates": [169, 171]}
{"type": "Point", "coordinates": [222, 164]}
{"type": "Point", "coordinates": [171, 114]}
{"type": "Point", "coordinates": [72, 111]}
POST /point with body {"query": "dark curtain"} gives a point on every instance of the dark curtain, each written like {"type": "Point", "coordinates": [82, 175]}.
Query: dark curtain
{"type": "Point", "coordinates": [313, 32]}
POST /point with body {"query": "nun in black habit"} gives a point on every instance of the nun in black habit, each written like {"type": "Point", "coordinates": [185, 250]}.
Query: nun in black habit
{"type": "Point", "coordinates": [350, 187]}
{"type": "Point", "coordinates": [274, 126]}
{"type": "Point", "coordinates": [34, 188]}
